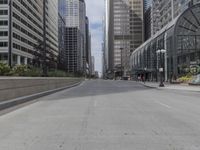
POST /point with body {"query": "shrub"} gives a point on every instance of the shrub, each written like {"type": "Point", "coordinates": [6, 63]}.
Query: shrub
{"type": "Point", "coordinates": [185, 79]}
{"type": "Point", "coordinates": [56, 73]}
{"type": "Point", "coordinates": [33, 72]}
{"type": "Point", "coordinates": [4, 69]}
{"type": "Point", "coordinates": [27, 71]}
{"type": "Point", "coordinates": [30, 71]}
{"type": "Point", "coordinates": [20, 70]}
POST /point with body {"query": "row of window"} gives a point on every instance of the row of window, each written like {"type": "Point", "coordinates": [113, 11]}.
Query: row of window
{"type": "Point", "coordinates": [3, 33]}
{"type": "Point", "coordinates": [29, 26]}
{"type": "Point", "coordinates": [3, 22]}
{"type": "Point", "coordinates": [24, 21]}
{"type": "Point", "coordinates": [51, 35]}
{"type": "Point", "coordinates": [3, 1]}
{"type": "Point", "coordinates": [16, 36]}
{"type": "Point", "coordinates": [3, 12]}
{"type": "Point", "coordinates": [29, 10]}
{"type": "Point", "coordinates": [3, 44]}
{"type": "Point", "coordinates": [16, 26]}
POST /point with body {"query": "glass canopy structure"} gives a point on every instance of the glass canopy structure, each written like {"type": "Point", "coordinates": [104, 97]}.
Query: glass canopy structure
{"type": "Point", "coordinates": [181, 41]}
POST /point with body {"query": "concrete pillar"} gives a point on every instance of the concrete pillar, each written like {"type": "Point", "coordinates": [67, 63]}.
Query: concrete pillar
{"type": "Point", "coordinates": [25, 61]}
{"type": "Point", "coordinates": [18, 60]}
{"type": "Point", "coordinates": [172, 4]}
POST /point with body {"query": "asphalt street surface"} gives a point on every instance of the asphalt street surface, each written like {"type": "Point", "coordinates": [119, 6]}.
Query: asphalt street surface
{"type": "Point", "coordinates": [105, 115]}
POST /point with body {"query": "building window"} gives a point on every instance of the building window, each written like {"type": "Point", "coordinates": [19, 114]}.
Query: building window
{"type": "Point", "coordinates": [3, 12]}
{"type": "Point", "coordinates": [3, 33]}
{"type": "Point", "coordinates": [3, 44]}
{"type": "Point", "coordinates": [3, 22]}
{"type": "Point", "coordinates": [3, 1]}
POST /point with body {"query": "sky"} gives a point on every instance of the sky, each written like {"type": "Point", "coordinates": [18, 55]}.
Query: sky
{"type": "Point", "coordinates": [95, 12]}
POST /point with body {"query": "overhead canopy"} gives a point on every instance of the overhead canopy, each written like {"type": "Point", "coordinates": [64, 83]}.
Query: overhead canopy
{"type": "Point", "coordinates": [189, 22]}
{"type": "Point", "coordinates": [187, 30]}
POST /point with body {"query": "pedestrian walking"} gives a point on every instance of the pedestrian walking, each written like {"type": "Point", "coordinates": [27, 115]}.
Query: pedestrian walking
{"type": "Point", "coordinates": [143, 78]}
{"type": "Point", "coordinates": [139, 78]}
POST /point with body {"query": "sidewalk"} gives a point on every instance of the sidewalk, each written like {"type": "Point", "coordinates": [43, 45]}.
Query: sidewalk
{"type": "Point", "coordinates": [184, 87]}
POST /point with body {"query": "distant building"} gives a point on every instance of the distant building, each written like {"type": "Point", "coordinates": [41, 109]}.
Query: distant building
{"type": "Point", "coordinates": [103, 60]}
{"type": "Point", "coordinates": [27, 30]}
{"type": "Point", "coordinates": [61, 31]}
{"type": "Point", "coordinates": [104, 42]}
{"type": "Point", "coordinates": [96, 74]}
{"type": "Point", "coordinates": [73, 48]}
{"type": "Point", "coordinates": [93, 65]}
{"type": "Point", "coordinates": [75, 21]}
{"type": "Point", "coordinates": [147, 4]}
{"type": "Point", "coordinates": [88, 47]}
{"type": "Point", "coordinates": [147, 19]}
{"type": "Point", "coordinates": [123, 32]}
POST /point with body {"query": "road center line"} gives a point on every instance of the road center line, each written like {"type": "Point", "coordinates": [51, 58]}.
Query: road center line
{"type": "Point", "coordinates": [165, 105]}
{"type": "Point", "coordinates": [95, 103]}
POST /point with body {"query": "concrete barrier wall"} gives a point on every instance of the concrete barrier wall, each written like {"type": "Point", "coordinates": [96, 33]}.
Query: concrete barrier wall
{"type": "Point", "coordinates": [14, 87]}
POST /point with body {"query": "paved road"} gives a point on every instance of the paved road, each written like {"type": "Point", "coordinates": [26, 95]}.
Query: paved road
{"type": "Point", "coordinates": [105, 115]}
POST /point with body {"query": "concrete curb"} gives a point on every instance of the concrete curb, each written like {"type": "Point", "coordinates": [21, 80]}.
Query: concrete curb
{"type": "Point", "coordinates": [163, 88]}
{"type": "Point", "coordinates": [14, 102]}
{"type": "Point", "coordinates": [148, 86]}
{"type": "Point", "coordinates": [152, 87]}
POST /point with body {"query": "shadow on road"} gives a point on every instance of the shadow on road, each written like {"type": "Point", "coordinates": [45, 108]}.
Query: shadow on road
{"type": "Point", "coordinates": [98, 87]}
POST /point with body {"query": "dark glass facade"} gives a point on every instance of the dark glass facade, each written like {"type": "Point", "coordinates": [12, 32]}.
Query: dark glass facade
{"type": "Point", "coordinates": [72, 53]}
{"type": "Point", "coordinates": [61, 30]}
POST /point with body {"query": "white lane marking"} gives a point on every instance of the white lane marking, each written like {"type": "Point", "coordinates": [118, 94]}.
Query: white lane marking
{"type": "Point", "coordinates": [165, 105]}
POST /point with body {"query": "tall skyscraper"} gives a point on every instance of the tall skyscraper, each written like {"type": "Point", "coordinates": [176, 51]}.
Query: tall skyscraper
{"type": "Point", "coordinates": [21, 29]}
{"type": "Point", "coordinates": [164, 11]}
{"type": "Point", "coordinates": [147, 4]}
{"type": "Point", "coordinates": [73, 48]}
{"type": "Point", "coordinates": [88, 46]}
{"type": "Point", "coordinates": [75, 18]}
{"type": "Point", "coordinates": [147, 19]}
{"type": "Point", "coordinates": [61, 31]}
{"type": "Point", "coordinates": [124, 31]}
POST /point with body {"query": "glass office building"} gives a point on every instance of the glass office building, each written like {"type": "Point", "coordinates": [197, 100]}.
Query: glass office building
{"type": "Point", "coordinates": [61, 30]}
{"type": "Point", "coordinates": [147, 19]}
{"type": "Point", "coordinates": [75, 20]}
{"type": "Point", "coordinates": [181, 40]}
{"type": "Point", "coordinates": [73, 48]}
{"type": "Point", "coordinates": [124, 32]}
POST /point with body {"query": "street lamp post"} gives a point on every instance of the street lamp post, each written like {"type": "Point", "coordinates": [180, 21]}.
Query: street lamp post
{"type": "Point", "coordinates": [161, 66]}
{"type": "Point", "coordinates": [145, 72]}
{"type": "Point", "coordinates": [10, 35]}
{"type": "Point", "coordinates": [121, 63]}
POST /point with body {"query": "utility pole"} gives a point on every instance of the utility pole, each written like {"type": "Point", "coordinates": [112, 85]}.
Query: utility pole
{"type": "Point", "coordinates": [44, 65]}
{"type": "Point", "coordinates": [10, 35]}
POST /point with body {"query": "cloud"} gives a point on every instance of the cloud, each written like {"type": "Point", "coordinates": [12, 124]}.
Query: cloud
{"type": "Point", "coordinates": [95, 12]}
